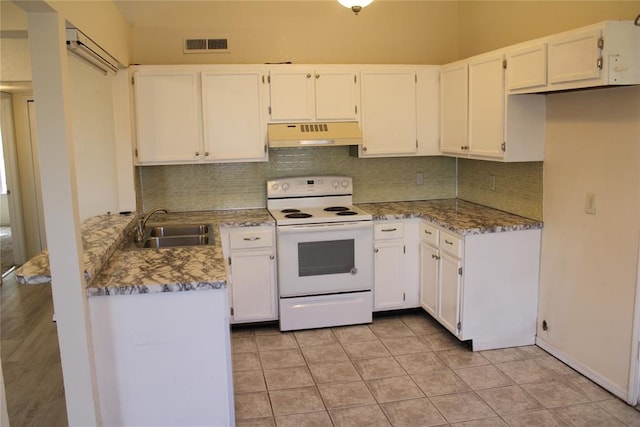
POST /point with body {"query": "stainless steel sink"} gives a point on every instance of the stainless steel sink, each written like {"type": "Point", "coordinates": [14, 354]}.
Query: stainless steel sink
{"type": "Point", "coordinates": [174, 235]}
{"type": "Point", "coordinates": [173, 241]}
{"type": "Point", "coordinates": [179, 230]}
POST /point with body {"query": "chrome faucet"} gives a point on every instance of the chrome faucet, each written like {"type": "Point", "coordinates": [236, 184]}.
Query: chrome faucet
{"type": "Point", "coordinates": [142, 222]}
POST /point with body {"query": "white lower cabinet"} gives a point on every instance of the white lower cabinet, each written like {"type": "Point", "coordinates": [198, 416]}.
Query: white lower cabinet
{"type": "Point", "coordinates": [481, 287]}
{"type": "Point", "coordinates": [139, 343]}
{"type": "Point", "coordinates": [251, 260]}
{"type": "Point", "coordinates": [448, 301]}
{"type": "Point", "coordinates": [429, 276]}
{"type": "Point", "coordinates": [395, 263]}
{"type": "Point", "coordinates": [440, 275]}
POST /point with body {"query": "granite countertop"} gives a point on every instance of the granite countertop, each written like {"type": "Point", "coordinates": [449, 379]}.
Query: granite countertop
{"type": "Point", "coordinates": [455, 215]}
{"type": "Point", "coordinates": [101, 235]}
{"type": "Point", "coordinates": [112, 270]}
{"type": "Point", "coordinates": [175, 269]}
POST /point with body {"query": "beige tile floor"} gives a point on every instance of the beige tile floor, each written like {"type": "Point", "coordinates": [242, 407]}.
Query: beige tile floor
{"type": "Point", "coordinates": [406, 370]}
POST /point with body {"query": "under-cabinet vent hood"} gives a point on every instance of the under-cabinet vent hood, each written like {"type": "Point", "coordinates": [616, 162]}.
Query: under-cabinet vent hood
{"type": "Point", "coordinates": [314, 134]}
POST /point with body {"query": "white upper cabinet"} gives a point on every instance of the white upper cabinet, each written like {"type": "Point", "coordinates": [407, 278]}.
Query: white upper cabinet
{"type": "Point", "coordinates": [200, 114]}
{"type": "Point", "coordinates": [313, 93]}
{"type": "Point", "coordinates": [388, 112]}
{"type": "Point", "coordinates": [336, 94]}
{"type": "Point", "coordinates": [527, 66]}
{"type": "Point", "coordinates": [428, 110]}
{"type": "Point", "coordinates": [168, 116]}
{"type": "Point", "coordinates": [454, 94]}
{"type": "Point", "coordinates": [602, 54]}
{"type": "Point", "coordinates": [486, 105]}
{"type": "Point", "coordinates": [234, 111]}
{"type": "Point", "coordinates": [480, 121]}
{"type": "Point", "coordinates": [291, 95]}
{"type": "Point", "coordinates": [574, 56]}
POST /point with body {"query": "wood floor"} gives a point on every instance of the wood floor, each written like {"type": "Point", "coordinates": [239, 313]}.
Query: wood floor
{"type": "Point", "coordinates": [30, 356]}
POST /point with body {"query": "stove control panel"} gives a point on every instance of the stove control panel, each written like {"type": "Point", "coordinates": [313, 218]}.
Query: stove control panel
{"type": "Point", "coordinates": [309, 186]}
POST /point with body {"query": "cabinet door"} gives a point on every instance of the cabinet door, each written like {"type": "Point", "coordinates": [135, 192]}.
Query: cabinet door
{"type": "Point", "coordinates": [449, 292]}
{"type": "Point", "coordinates": [388, 112]}
{"type": "Point", "coordinates": [527, 67]}
{"type": "Point", "coordinates": [253, 285]}
{"type": "Point", "coordinates": [234, 115]}
{"type": "Point", "coordinates": [429, 265]}
{"type": "Point", "coordinates": [388, 287]}
{"type": "Point", "coordinates": [454, 88]}
{"type": "Point", "coordinates": [336, 94]}
{"type": "Point", "coordinates": [428, 111]}
{"type": "Point", "coordinates": [168, 116]}
{"type": "Point", "coordinates": [574, 56]}
{"type": "Point", "coordinates": [486, 106]}
{"type": "Point", "coordinates": [292, 95]}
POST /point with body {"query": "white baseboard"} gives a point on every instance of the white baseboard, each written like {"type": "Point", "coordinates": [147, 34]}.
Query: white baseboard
{"type": "Point", "coordinates": [583, 369]}
{"type": "Point", "coordinates": [479, 345]}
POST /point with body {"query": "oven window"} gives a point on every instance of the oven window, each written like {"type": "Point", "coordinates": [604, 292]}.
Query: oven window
{"type": "Point", "coordinates": [327, 257]}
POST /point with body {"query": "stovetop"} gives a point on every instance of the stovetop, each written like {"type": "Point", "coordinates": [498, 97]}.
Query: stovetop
{"type": "Point", "coordinates": [313, 199]}
{"type": "Point", "coordinates": [318, 214]}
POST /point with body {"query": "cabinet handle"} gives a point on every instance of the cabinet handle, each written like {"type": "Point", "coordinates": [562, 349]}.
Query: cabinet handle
{"type": "Point", "coordinates": [309, 75]}
{"type": "Point", "coordinates": [206, 153]}
{"type": "Point", "coordinates": [272, 256]}
{"type": "Point", "coordinates": [317, 76]}
{"type": "Point", "coordinates": [375, 250]}
{"type": "Point", "coordinates": [436, 257]}
{"type": "Point", "coordinates": [428, 232]}
{"type": "Point", "coordinates": [364, 148]}
{"type": "Point", "coordinates": [448, 242]}
{"type": "Point", "coordinates": [197, 153]}
{"type": "Point", "coordinates": [386, 230]}
{"type": "Point", "coordinates": [251, 239]}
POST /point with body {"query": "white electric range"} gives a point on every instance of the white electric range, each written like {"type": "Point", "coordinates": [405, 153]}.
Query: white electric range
{"type": "Point", "coordinates": [325, 252]}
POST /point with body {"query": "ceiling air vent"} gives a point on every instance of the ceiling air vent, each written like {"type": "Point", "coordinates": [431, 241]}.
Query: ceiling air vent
{"type": "Point", "coordinates": [206, 45]}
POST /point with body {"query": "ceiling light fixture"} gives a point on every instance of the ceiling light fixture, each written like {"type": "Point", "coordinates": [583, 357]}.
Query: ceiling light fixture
{"type": "Point", "coordinates": [355, 5]}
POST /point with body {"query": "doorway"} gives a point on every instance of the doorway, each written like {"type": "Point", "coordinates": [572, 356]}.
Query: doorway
{"type": "Point", "coordinates": [11, 231]}
{"type": "Point", "coordinates": [22, 234]}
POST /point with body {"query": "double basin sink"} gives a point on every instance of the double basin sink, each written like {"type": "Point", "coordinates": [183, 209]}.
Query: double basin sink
{"type": "Point", "coordinates": [174, 235]}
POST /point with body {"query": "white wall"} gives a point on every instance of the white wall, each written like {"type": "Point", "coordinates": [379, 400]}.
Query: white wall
{"type": "Point", "coordinates": [15, 59]}
{"type": "Point", "coordinates": [588, 265]}
{"type": "Point", "coordinates": [93, 136]}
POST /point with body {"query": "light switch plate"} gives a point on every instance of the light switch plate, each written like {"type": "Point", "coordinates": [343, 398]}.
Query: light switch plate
{"type": "Point", "coordinates": [590, 204]}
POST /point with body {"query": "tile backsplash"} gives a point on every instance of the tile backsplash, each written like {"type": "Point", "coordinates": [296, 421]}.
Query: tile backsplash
{"type": "Point", "coordinates": [511, 187]}
{"type": "Point", "coordinates": [517, 189]}
{"type": "Point", "coordinates": [243, 185]}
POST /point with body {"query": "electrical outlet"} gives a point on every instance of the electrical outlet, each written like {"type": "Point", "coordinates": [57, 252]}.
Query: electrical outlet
{"type": "Point", "coordinates": [492, 182]}
{"type": "Point", "coordinates": [590, 204]}
{"type": "Point", "coordinates": [419, 178]}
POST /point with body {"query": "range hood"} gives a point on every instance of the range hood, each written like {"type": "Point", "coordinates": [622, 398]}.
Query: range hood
{"type": "Point", "coordinates": [314, 134]}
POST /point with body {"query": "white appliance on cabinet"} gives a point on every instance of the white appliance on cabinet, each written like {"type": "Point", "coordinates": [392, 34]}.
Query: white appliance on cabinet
{"type": "Point", "coordinates": [325, 260]}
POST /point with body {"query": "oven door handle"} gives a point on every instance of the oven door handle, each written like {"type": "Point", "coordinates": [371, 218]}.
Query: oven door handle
{"type": "Point", "coordinates": [332, 226]}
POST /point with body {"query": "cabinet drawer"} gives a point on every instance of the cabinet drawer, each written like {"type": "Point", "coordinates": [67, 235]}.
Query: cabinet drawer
{"type": "Point", "coordinates": [251, 239]}
{"type": "Point", "coordinates": [429, 233]}
{"type": "Point", "coordinates": [450, 243]}
{"type": "Point", "coordinates": [388, 230]}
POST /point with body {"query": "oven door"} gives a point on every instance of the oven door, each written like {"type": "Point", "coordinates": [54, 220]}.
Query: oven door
{"type": "Point", "coordinates": [318, 259]}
